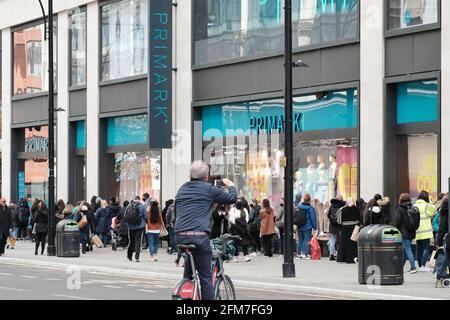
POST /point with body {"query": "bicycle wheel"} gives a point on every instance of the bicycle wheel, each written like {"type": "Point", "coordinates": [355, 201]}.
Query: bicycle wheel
{"type": "Point", "coordinates": [224, 289]}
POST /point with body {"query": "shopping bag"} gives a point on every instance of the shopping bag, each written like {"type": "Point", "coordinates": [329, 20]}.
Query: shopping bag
{"type": "Point", "coordinates": [316, 253]}
{"type": "Point", "coordinates": [355, 233]}
{"type": "Point", "coordinates": [432, 262]}
{"type": "Point", "coordinates": [163, 231]}
{"type": "Point", "coordinates": [96, 240]}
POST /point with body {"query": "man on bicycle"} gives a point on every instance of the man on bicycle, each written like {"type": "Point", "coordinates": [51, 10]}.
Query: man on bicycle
{"type": "Point", "coordinates": [193, 207]}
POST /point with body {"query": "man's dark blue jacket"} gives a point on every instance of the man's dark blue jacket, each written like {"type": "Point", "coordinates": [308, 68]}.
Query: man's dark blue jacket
{"type": "Point", "coordinates": [194, 202]}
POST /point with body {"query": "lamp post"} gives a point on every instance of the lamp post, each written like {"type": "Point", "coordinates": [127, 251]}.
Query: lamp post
{"type": "Point", "coordinates": [51, 248]}
{"type": "Point", "coordinates": [288, 264]}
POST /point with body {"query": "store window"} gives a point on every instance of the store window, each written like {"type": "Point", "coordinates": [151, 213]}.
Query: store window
{"type": "Point", "coordinates": [80, 134]}
{"type": "Point", "coordinates": [405, 14]}
{"type": "Point", "coordinates": [245, 142]}
{"type": "Point", "coordinates": [228, 29]}
{"type": "Point", "coordinates": [30, 60]}
{"type": "Point", "coordinates": [77, 34]}
{"type": "Point", "coordinates": [33, 175]}
{"type": "Point", "coordinates": [123, 37]}
{"type": "Point", "coordinates": [423, 165]}
{"type": "Point", "coordinates": [136, 173]}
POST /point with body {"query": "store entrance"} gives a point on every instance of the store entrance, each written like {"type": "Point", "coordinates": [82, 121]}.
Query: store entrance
{"type": "Point", "coordinates": [80, 178]}
{"type": "Point", "coordinates": [417, 165]}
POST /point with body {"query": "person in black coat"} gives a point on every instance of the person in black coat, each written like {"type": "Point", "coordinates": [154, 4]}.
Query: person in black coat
{"type": "Point", "coordinates": [335, 206]}
{"type": "Point", "coordinates": [408, 235]}
{"type": "Point", "coordinates": [85, 231]}
{"type": "Point", "coordinates": [5, 224]}
{"type": "Point", "coordinates": [40, 220]}
{"type": "Point", "coordinates": [220, 222]}
{"type": "Point", "coordinates": [348, 219]}
{"type": "Point", "coordinates": [240, 228]}
{"type": "Point", "coordinates": [24, 216]}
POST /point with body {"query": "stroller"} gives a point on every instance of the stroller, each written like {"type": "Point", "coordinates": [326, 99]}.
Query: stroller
{"type": "Point", "coordinates": [119, 234]}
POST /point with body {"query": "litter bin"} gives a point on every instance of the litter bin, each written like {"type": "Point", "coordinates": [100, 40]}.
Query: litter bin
{"type": "Point", "coordinates": [380, 255]}
{"type": "Point", "coordinates": [67, 239]}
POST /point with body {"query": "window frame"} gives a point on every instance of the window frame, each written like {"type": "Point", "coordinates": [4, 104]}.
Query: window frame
{"type": "Point", "coordinates": [420, 28]}
{"type": "Point", "coordinates": [336, 43]}
{"type": "Point", "coordinates": [21, 27]}
{"type": "Point", "coordinates": [82, 9]}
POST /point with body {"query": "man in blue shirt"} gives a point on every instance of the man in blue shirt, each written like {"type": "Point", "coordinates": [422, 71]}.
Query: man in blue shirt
{"type": "Point", "coordinates": [193, 206]}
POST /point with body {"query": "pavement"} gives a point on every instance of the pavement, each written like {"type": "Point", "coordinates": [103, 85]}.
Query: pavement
{"type": "Point", "coordinates": [321, 278]}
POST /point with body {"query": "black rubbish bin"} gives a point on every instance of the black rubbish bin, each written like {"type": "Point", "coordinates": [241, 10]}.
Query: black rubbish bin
{"type": "Point", "coordinates": [380, 256]}
{"type": "Point", "coordinates": [67, 239]}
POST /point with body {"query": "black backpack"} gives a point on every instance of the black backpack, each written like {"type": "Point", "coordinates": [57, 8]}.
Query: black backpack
{"type": "Point", "coordinates": [413, 218]}
{"type": "Point", "coordinates": [132, 215]}
{"type": "Point", "coordinates": [300, 216]}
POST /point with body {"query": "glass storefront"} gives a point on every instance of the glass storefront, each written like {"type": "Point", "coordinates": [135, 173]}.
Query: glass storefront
{"type": "Point", "coordinates": [244, 142]}
{"type": "Point", "coordinates": [404, 14]}
{"type": "Point", "coordinates": [77, 34]}
{"type": "Point", "coordinates": [31, 60]}
{"type": "Point", "coordinates": [33, 175]}
{"type": "Point", "coordinates": [422, 165]}
{"type": "Point", "coordinates": [227, 29]}
{"type": "Point", "coordinates": [131, 173]}
{"type": "Point", "coordinates": [137, 173]}
{"type": "Point", "coordinates": [123, 37]}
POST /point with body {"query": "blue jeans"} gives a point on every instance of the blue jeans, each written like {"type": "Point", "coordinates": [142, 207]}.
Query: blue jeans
{"type": "Point", "coordinates": [153, 243]}
{"type": "Point", "coordinates": [408, 254]}
{"type": "Point", "coordinates": [202, 260]}
{"type": "Point", "coordinates": [423, 252]}
{"type": "Point", "coordinates": [172, 242]}
{"type": "Point", "coordinates": [304, 237]}
{"type": "Point", "coordinates": [104, 238]}
{"type": "Point", "coordinates": [332, 245]}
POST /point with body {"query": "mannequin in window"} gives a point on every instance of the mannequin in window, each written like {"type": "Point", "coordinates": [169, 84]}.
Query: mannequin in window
{"type": "Point", "coordinates": [311, 175]}
{"type": "Point", "coordinates": [321, 168]}
{"type": "Point", "coordinates": [413, 11]}
{"type": "Point", "coordinates": [332, 181]}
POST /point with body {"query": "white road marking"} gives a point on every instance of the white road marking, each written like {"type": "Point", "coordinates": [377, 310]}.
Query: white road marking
{"type": "Point", "coordinates": [131, 285]}
{"type": "Point", "coordinates": [14, 289]}
{"type": "Point", "coordinates": [113, 287]}
{"type": "Point", "coordinates": [53, 279]}
{"type": "Point", "coordinates": [5, 274]}
{"type": "Point", "coordinates": [71, 297]}
{"type": "Point", "coordinates": [143, 290]}
{"type": "Point", "coordinates": [295, 293]}
{"type": "Point", "coordinates": [29, 277]}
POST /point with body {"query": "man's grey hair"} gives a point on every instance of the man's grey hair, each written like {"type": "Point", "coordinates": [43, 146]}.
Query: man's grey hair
{"type": "Point", "coordinates": [199, 170]}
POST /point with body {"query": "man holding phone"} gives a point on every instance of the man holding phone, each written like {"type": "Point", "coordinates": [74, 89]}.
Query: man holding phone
{"type": "Point", "coordinates": [193, 207]}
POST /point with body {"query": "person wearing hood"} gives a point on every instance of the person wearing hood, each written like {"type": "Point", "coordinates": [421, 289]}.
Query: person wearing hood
{"type": "Point", "coordinates": [335, 206]}
{"type": "Point", "coordinates": [373, 214]}
{"type": "Point", "coordinates": [385, 207]}
{"type": "Point", "coordinates": [306, 230]}
{"type": "Point", "coordinates": [24, 216]}
{"type": "Point", "coordinates": [408, 234]}
{"type": "Point", "coordinates": [40, 220]}
{"type": "Point", "coordinates": [425, 232]}
{"type": "Point", "coordinates": [348, 219]}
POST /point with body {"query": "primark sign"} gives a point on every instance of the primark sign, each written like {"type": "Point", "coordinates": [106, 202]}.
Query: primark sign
{"type": "Point", "coordinates": [36, 144]}
{"type": "Point", "coordinates": [160, 74]}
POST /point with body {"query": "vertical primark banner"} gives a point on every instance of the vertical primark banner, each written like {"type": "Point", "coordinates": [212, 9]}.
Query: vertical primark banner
{"type": "Point", "coordinates": [160, 74]}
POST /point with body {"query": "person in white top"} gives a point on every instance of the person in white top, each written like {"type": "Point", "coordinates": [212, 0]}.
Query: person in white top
{"type": "Point", "coordinates": [235, 212]}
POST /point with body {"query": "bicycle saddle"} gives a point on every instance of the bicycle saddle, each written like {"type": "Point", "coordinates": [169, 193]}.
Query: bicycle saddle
{"type": "Point", "coordinates": [191, 247]}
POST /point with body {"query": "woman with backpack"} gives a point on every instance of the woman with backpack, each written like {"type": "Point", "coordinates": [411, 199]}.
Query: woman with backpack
{"type": "Point", "coordinates": [306, 230]}
{"type": "Point", "coordinates": [403, 223]}
{"type": "Point", "coordinates": [239, 227]}
{"type": "Point", "coordinates": [267, 218]}
{"type": "Point", "coordinates": [40, 220]}
{"type": "Point", "coordinates": [24, 216]}
{"type": "Point", "coordinates": [348, 219]}
{"type": "Point", "coordinates": [425, 232]}
{"type": "Point", "coordinates": [102, 218]}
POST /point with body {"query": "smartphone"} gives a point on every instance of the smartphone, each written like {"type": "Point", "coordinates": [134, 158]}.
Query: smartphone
{"type": "Point", "coordinates": [218, 183]}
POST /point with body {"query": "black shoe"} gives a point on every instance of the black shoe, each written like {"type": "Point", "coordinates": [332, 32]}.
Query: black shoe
{"type": "Point", "coordinates": [332, 258]}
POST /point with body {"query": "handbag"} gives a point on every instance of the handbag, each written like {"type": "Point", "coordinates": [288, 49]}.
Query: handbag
{"type": "Point", "coordinates": [163, 231]}
{"type": "Point", "coordinates": [83, 222]}
{"type": "Point", "coordinates": [355, 233]}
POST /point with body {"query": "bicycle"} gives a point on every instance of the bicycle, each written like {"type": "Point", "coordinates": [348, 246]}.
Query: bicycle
{"type": "Point", "coordinates": [187, 289]}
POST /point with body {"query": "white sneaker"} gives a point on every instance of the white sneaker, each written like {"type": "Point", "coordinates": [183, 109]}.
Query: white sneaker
{"type": "Point", "coordinates": [302, 256]}
{"type": "Point", "coordinates": [247, 259]}
{"type": "Point", "coordinates": [235, 260]}
{"type": "Point", "coordinates": [152, 259]}
{"type": "Point", "coordinates": [422, 269]}
{"type": "Point", "coordinates": [156, 258]}
{"type": "Point", "coordinates": [308, 257]}
{"type": "Point", "coordinates": [253, 254]}
{"type": "Point", "coordinates": [426, 269]}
